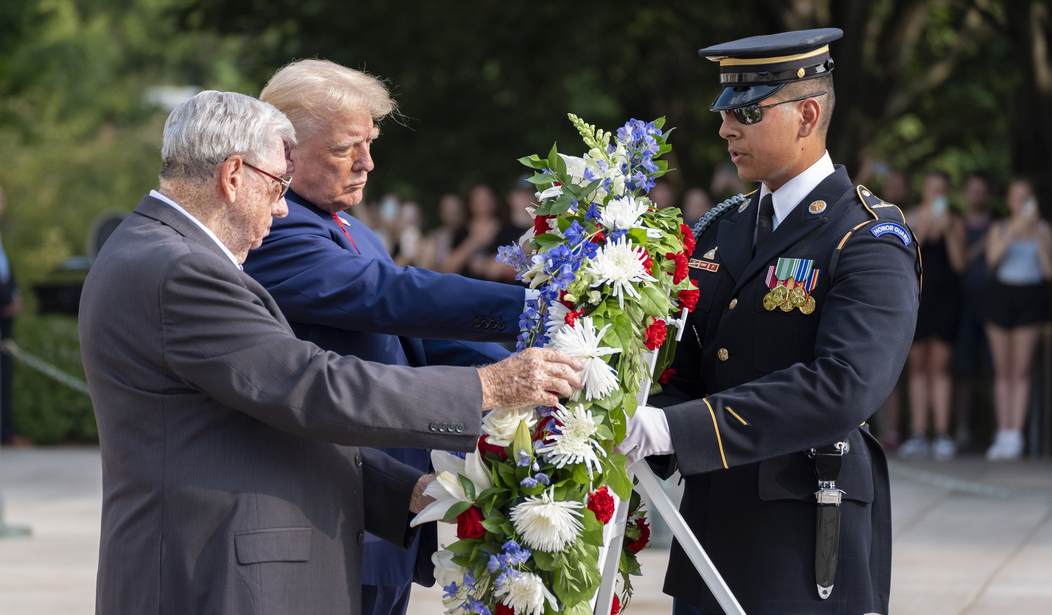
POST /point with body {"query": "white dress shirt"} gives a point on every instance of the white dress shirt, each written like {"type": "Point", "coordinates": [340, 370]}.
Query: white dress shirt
{"type": "Point", "coordinates": [793, 191]}
{"type": "Point", "coordinates": [169, 202]}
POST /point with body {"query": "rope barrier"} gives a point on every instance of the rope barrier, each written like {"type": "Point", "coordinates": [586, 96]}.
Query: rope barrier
{"type": "Point", "coordinates": [42, 366]}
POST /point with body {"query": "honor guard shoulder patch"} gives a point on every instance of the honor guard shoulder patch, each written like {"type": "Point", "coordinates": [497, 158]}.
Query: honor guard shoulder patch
{"type": "Point", "coordinates": [885, 228]}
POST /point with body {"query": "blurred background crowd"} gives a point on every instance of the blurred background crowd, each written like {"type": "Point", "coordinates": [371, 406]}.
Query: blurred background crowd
{"type": "Point", "coordinates": [944, 107]}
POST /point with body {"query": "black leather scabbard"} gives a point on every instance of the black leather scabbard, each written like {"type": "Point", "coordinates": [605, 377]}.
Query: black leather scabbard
{"type": "Point", "coordinates": [827, 520]}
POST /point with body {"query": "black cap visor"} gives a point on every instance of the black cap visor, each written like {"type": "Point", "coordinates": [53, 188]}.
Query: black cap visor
{"type": "Point", "coordinates": [734, 96]}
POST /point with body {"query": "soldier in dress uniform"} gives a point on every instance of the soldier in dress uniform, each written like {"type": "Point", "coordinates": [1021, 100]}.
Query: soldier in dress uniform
{"type": "Point", "coordinates": [809, 294]}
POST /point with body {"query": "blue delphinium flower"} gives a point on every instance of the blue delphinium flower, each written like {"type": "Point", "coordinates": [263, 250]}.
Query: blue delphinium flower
{"type": "Point", "coordinates": [450, 590]}
{"type": "Point", "coordinates": [574, 234]}
{"type": "Point", "coordinates": [474, 605]}
{"type": "Point", "coordinates": [592, 214]}
{"type": "Point", "coordinates": [542, 478]}
{"type": "Point", "coordinates": [528, 483]}
{"type": "Point", "coordinates": [513, 256]}
{"type": "Point", "coordinates": [524, 459]}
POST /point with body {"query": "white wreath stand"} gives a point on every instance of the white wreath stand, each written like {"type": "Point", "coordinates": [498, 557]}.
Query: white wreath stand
{"type": "Point", "coordinates": [648, 484]}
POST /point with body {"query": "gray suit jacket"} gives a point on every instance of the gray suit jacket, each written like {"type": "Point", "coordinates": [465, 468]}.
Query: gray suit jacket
{"type": "Point", "coordinates": [231, 481]}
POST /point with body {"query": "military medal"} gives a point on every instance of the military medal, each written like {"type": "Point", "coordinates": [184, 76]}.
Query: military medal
{"type": "Point", "coordinates": [791, 281]}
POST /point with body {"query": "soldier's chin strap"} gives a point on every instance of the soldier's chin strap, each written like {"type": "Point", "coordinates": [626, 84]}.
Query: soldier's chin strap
{"type": "Point", "coordinates": [827, 461]}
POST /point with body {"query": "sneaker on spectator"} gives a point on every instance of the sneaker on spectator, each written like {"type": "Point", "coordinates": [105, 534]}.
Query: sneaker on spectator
{"type": "Point", "coordinates": [1014, 445]}
{"type": "Point", "coordinates": [943, 449]}
{"type": "Point", "coordinates": [997, 450]}
{"type": "Point", "coordinates": [916, 447]}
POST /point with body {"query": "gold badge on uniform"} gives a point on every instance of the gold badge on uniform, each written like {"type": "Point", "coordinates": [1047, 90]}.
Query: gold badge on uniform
{"type": "Point", "coordinates": [817, 207]}
{"type": "Point", "coordinates": [791, 282]}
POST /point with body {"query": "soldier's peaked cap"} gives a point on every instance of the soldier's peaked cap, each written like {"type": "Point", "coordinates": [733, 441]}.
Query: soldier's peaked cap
{"type": "Point", "coordinates": [753, 68]}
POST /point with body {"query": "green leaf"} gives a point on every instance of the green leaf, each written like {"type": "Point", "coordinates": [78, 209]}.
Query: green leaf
{"type": "Point", "coordinates": [654, 302]}
{"type": "Point", "coordinates": [560, 204]}
{"type": "Point", "coordinates": [507, 475]}
{"type": "Point", "coordinates": [455, 510]}
{"type": "Point", "coordinates": [491, 525]}
{"type": "Point", "coordinates": [548, 240]}
{"type": "Point", "coordinates": [468, 486]}
{"type": "Point", "coordinates": [659, 123]}
{"type": "Point", "coordinates": [463, 547]}
{"type": "Point", "coordinates": [544, 560]}
{"type": "Point", "coordinates": [533, 161]}
{"type": "Point", "coordinates": [617, 477]}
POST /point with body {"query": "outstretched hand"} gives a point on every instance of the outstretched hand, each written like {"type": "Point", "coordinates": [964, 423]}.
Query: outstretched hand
{"type": "Point", "coordinates": [533, 377]}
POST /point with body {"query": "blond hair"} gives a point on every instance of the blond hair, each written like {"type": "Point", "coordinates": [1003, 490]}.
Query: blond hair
{"type": "Point", "coordinates": [311, 92]}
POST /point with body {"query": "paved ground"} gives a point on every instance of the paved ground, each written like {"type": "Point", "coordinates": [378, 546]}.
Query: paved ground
{"type": "Point", "coordinates": [970, 538]}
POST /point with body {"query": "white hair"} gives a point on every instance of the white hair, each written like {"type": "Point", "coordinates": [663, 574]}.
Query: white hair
{"type": "Point", "coordinates": [311, 92]}
{"type": "Point", "coordinates": [212, 126]}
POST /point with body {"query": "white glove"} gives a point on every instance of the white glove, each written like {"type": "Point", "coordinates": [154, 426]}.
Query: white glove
{"type": "Point", "coordinates": [647, 434]}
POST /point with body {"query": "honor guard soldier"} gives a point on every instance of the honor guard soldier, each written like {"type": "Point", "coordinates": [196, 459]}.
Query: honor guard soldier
{"type": "Point", "coordinates": [809, 294]}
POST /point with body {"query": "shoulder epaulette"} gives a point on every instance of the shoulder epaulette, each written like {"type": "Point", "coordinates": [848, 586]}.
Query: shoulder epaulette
{"type": "Point", "coordinates": [879, 209]}
{"type": "Point", "coordinates": [718, 210]}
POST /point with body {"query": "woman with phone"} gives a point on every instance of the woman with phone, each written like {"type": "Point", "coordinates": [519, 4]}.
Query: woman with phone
{"type": "Point", "coordinates": [940, 233]}
{"type": "Point", "coordinates": [1019, 254]}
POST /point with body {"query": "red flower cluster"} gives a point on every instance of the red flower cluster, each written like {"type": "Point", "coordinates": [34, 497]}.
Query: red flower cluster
{"type": "Point", "coordinates": [469, 524]}
{"type": "Point", "coordinates": [667, 375]}
{"type": "Point", "coordinates": [602, 504]}
{"type": "Point", "coordinates": [572, 316]}
{"type": "Point", "coordinates": [681, 266]}
{"type": "Point", "coordinates": [689, 298]}
{"type": "Point", "coordinates": [640, 543]}
{"type": "Point", "coordinates": [503, 609]}
{"type": "Point", "coordinates": [688, 239]}
{"type": "Point", "coordinates": [655, 335]}
{"type": "Point", "coordinates": [486, 447]}
{"type": "Point", "coordinates": [538, 431]}
{"type": "Point", "coordinates": [600, 236]}
{"type": "Point", "coordinates": [615, 606]}
{"type": "Point", "coordinates": [648, 265]}
{"type": "Point", "coordinates": [540, 224]}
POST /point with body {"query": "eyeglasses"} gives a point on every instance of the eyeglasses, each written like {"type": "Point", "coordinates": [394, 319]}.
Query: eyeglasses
{"type": "Point", "coordinates": [753, 114]}
{"type": "Point", "coordinates": [283, 182]}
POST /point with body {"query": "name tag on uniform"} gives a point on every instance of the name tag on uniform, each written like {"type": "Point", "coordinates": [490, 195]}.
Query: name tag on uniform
{"type": "Point", "coordinates": [697, 263]}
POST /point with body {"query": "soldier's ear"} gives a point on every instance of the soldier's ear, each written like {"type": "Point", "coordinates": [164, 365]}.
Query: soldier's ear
{"type": "Point", "coordinates": [810, 115]}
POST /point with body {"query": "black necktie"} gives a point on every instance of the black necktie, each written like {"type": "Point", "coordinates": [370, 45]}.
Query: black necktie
{"type": "Point", "coordinates": [765, 221]}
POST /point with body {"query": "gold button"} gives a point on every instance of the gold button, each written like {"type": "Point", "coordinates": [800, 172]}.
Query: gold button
{"type": "Point", "coordinates": [734, 303]}
{"type": "Point", "coordinates": [723, 354]}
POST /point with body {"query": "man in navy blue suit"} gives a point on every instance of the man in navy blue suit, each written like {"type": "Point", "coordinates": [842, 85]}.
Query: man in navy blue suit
{"type": "Point", "coordinates": [338, 287]}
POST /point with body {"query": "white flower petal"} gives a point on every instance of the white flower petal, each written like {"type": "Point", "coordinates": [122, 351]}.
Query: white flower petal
{"type": "Point", "coordinates": [545, 524]}
{"type": "Point", "coordinates": [444, 461]}
{"type": "Point", "coordinates": [476, 471]}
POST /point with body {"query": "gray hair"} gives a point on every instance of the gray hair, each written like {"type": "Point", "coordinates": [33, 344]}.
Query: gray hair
{"type": "Point", "coordinates": [207, 129]}
{"type": "Point", "coordinates": [310, 92]}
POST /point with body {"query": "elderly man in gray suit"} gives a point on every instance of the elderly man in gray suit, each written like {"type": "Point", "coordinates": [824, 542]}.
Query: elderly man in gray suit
{"type": "Point", "coordinates": [231, 481]}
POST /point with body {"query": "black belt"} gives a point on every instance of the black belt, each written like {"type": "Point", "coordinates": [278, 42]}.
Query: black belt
{"type": "Point", "coordinates": [827, 526]}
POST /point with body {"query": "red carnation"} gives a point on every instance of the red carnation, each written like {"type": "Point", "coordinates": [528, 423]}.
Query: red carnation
{"type": "Point", "coordinates": [469, 524]}
{"type": "Point", "coordinates": [602, 504]}
{"type": "Point", "coordinates": [486, 447]}
{"type": "Point", "coordinates": [648, 264]}
{"type": "Point", "coordinates": [681, 266]}
{"type": "Point", "coordinates": [640, 543]}
{"type": "Point", "coordinates": [599, 236]}
{"type": "Point", "coordinates": [615, 607]}
{"type": "Point", "coordinates": [688, 239]}
{"type": "Point", "coordinates": [503, 609]}
{"type": "Point", "coordinates": [572, 316]}
{"type": "Point", "coordinates": [667, 375]}
{"type": "Point", "coordinates": [540, 225]}
{"type": "Point", "coordinates": [655, 335]}
{"type": "Point", "coordinates": [689, 298]}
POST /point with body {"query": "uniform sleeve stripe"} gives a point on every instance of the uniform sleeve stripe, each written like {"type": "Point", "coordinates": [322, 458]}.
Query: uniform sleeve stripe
{"type": "Point", "coordinates": [716, 426]}
{"type": "Point", "coordinates": [735, 415]}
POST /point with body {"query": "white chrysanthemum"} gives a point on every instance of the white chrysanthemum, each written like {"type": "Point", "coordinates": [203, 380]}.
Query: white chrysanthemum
{"type": "Point", "coordinates": [500, 425]}
{"type": "Point", "coordinates": [581, 341]}
{"type": "Point", "coordinates": [545, 524]}
{"type": "Point", "coordinates": [574, 443]}
{"type": "Point", "coordinates": [556, 318]}
{"type": "Point", "coordinates": [620, 264]}
{"type": "Point", "coordinates": [446, 488]}
{"type": "Point", "coordinates": [525, 593]}
{"type": "Point", "coordinates": [622, 213]}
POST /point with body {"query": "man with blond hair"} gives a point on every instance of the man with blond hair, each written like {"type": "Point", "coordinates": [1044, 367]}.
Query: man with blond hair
{"type": "Point", "coordinates": [341, 290]}
{"type": "Point", "coordinates": [231, 478]}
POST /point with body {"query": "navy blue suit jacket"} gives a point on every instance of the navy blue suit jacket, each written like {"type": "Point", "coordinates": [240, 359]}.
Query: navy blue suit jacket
{"type": "Point", "coordinates": [350, 297]}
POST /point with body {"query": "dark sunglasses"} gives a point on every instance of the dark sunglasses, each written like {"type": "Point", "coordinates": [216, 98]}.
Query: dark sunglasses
{"type": "Point", "coordinates": [753, 114]}
{"type": "Point", "coordinates": [283, 182]}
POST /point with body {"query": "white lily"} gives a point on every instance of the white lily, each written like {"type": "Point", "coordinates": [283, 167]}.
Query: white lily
{"type": "Point", "coordinates": [446, 571]}
{"type": "Point", "coordinates": [446, 488]}
{"type": "Point", "coordinates": [550, 193]}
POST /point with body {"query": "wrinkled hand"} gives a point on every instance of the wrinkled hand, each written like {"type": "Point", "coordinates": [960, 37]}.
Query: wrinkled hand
{"type": "Point", "coordinates": [647, 434]}
{"type": "Point", "coordinates": [533, 377]}
{"type": "Point", "coordinates": [419, 501]}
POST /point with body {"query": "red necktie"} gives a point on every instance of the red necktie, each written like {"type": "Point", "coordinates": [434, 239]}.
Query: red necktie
{"type": "Point", "coordinates": [340, 223]}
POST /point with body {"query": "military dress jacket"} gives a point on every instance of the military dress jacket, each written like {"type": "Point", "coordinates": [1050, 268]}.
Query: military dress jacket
{"type": "Point", "coordinates": [759, 387]}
